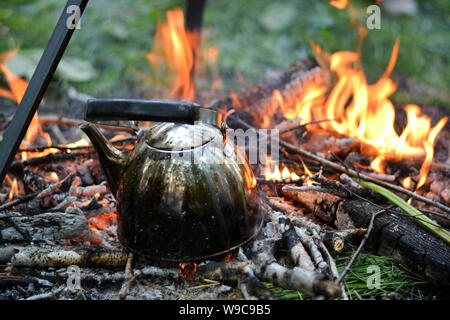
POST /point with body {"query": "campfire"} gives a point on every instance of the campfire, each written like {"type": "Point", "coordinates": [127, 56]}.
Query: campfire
{"type": "Point", "coordinates": [354, 168]}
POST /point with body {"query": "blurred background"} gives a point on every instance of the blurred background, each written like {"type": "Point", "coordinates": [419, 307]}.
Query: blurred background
{"type": "Point", "coordinates": [107, 57]}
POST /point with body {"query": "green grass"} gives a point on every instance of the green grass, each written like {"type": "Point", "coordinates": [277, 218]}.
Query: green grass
{"type": "Point", "coordinates": [396, 281]}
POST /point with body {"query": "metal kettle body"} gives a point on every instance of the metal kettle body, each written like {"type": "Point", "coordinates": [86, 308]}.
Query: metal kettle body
{"type": "Point", "coordinates": [182, 195]}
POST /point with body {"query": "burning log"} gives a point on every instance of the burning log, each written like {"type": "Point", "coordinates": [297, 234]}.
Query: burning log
{"type": "Point", "coordinates": [291, 82]}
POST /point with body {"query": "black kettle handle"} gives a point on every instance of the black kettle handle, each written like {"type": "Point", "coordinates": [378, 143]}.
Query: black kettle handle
{"type": "Point", "coordinates": [150, 110]}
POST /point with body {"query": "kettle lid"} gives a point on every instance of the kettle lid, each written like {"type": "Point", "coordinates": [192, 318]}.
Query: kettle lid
{"type": "Point", "coordinates": [176, 137]}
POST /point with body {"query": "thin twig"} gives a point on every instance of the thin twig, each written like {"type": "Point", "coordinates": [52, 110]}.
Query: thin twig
{"type": "Point", "coordinates": [45, 120]}
{"type": "Point", "coordinates": [129, 278]}
{"type": "Point", "coordinates": [262, 181]}
{"type": "Point", "coordinates": [361, 246]}
{"type": "Point", "coordinates": [299, 126]}
{"type": "Point", "coordinates": [65, 148]}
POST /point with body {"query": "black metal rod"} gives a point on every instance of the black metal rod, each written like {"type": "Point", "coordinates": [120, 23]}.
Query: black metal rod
{"type": "Point", "coordinates": [194, 14]}
{"type": "Point", "coordinates": [38, 84]}
{"type": "Point", "coordinates": [193, 23]}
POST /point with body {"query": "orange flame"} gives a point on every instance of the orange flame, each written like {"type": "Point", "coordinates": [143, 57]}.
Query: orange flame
{"type": "Point", "coordinates": [17, 90]}
{"type": "Point", "coordinates": [363, 111]}
{"type": "Point", "coordinates": [103, 221]}
{"type": "Point", "coordinates": [407, 182]}
{"type": "Point", "coordinates": [178, 50]}
{"type": "Point", "coordinates": [272, 172]}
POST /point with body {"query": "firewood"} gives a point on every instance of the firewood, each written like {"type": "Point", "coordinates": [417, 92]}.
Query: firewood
{"type": "Point", "coordinates": [297, 251]}
{"type": "Point", "coordinates": [39, 257]}
{"type": "Point", "coordinates": [33, 180]}
{"type": "Point", "coordinates": [281, 181]}
{"type": "Point", "coordinates": [129, 278]}
{"type": "Point", "coordinates": [96, 275]}
{"type": "Point", "coordinates": [312, 283]}
{"type": "Point", "coordinates": [291, 233]}
{"type": "Point", "coordinates": [313, 200]}
{"type": "Point", "coordinates": [48, 295]}
{"type": "Point", "coordinates": [333, 268]}
{"type": "Point", "coordinates": [52, 157]}
{"type": "Point", "coordinates": [49, 226]}
{"type": "Point", "coordinates": [289, 82]}
{"type": "Point", "coordinates": [313, 249]}
{"type": "Point", "coordinates": [45, 120]}
{"type": "Point", "coordinates": [445, 195]}
{"type": "Point", "coordinates": [262, 254]}
{"type": "Point", "coordinates": [36, 196]}
{"type": "Point", "coordinates": [293, 213]}
{"type": "Point", "coordinates": [89, 191]}
{"type": "Point", "coordinates": [235, 271]}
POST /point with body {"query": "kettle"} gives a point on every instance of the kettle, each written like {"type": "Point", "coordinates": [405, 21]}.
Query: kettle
{"type": "Point", "coordinates": [182, 192]}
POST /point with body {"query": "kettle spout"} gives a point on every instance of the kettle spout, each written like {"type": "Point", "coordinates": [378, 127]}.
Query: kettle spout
{"type": "Point", "coordinates": [111, 159]}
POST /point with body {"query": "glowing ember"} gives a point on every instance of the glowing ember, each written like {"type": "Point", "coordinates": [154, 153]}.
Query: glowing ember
{"type": "Point", "coordinates": [188, 270]}
{"type": "Point", "coordinates": [103, 221]}
{"type": "Point", "coordinates": [178, 50]}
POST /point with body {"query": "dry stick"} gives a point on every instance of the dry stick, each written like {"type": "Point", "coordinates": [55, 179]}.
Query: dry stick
{"type": "Point", "coordinates": [315, 188]}
{"type": "Point", "coordinates": [281, 181]}
{"type": "Point", "coordinates": [47, 295]}
{"type": "Point", "coordinates": [64, 148]}
{"type": "Point", "coordinates": [38, 195]}
{"type": "Point", "coordinates": [333, 268]}
{"type": "Point", "coordinates": [354, 173]}
{"type": "Point", "coordinates": [361, 246]}
{"type": "Point", "coordinates": [129, 278]}
{"type": "Point", "coordinates": [288, 129]}
{"type": "Point", "coordinates": [76, 123]}
{"type": "Point", "coordinates": [52, 157]}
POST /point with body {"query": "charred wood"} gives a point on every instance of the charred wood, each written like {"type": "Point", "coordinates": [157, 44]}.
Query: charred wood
{"type": "Point", "coordinates": [45, 227]}
{"type": "Point", "coordinates": [396, 235]}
